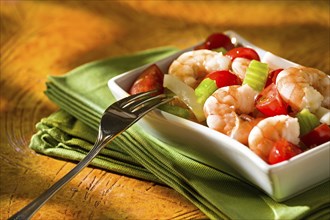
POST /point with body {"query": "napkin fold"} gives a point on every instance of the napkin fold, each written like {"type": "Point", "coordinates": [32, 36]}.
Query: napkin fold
{"type": "Point", "coordinates": [83, 95]}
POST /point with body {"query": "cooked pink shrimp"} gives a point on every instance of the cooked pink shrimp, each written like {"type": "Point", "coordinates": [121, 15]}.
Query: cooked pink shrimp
{"type": "Point", "coordinates": [270, 130]}
{"type": "Point", "coordinates": [191, 67]}
{"type": "Point", "coordinates": [303, 87]}
{"type": "Point", "coordinates": [239, 66]}
{"type": "Point", "coordinates": [226, 111]}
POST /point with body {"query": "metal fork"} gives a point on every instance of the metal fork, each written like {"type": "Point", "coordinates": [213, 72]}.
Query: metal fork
{"type": "Point", "coordinates": [117, 118]}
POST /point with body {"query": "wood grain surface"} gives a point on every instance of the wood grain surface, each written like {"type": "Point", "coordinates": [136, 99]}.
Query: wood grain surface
{"type": "Point", "coordinates": [39, 38]}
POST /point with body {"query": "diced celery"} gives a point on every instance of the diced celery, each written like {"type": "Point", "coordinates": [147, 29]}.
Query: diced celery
{"type": "Point", "coordinates": [176, 110]}
{"type": "Point", "coordinates": [307, 121]}
{"type": "Point", "coordinates": [256, 75]}
{"type": "Point", "coordinates": [186, 94]}
{"type": "Point", "coordinates": [205, 89]}
{"type": "Point", "coordinates": [220, 50]}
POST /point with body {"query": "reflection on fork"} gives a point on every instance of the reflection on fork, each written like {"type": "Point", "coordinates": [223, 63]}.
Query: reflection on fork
{"type": "Point", "coordinates": [116, 119]}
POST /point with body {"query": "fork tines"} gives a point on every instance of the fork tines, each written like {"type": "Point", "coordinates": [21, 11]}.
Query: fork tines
{"type": "Point", "coordinates": [141, 102]}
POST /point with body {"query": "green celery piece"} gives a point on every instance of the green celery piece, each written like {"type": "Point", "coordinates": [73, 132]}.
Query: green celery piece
{"type": "Point", "coordinates": [175, 110]}
{"type": "Point", "coordinates": [256, 75]}
{"type": "Point", "coordinates": [220, 49]}
{"type": "Point", "coordinates": [205, 89]}
{"type": "Point", "coordinates": [307, 121]}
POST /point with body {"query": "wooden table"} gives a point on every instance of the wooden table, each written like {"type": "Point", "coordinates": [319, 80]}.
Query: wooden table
{"type": "Point", "coordinates": [39, 38]}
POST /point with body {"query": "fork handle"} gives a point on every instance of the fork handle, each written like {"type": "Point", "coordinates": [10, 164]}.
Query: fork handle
{"type": "Point", "coordinates": [28, 211]}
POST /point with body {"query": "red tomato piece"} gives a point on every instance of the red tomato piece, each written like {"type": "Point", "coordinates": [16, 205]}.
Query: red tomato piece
{"type": "Point", "coordinates": [283, 150]}
{"type": "Point", "coordinates": [243, 52]}
{"type": "Point", "coordinates": [215, 41]}
{"type": "Point", "coordinates": [270, 103]}
{"type": "Point", "coordinates": [318, 136]}
{"type": "Point", "coordinates": [150, 79]}
{"type": "Point", "coordinates": [218, 40]}
{"type": "Point", "coordinates": [224, 78]}
{"type": "Point", "coordinates": [272, 77]}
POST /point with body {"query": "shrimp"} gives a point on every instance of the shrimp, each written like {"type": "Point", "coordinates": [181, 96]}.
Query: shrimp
{"type": "Point", "coordinates": [270, 130]}
{"type": "Point", "coordinates": [227, 110]}
{"type": "Point", "coordinates": [191, 67]}
{"type": "Point", "coordinates": [239, 66]}
{"type": "Point", "coordinates": [304, 87]}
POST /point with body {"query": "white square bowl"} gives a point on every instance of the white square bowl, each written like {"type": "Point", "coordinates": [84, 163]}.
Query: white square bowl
{"type": "Point", "coordinates": [280, 181]}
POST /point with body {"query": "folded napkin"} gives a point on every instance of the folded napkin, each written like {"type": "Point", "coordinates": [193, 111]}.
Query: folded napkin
{"type": "Point", "coordinates": [69, 133]}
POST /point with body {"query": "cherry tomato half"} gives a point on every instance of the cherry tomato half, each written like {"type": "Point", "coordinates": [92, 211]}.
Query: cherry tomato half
{"type": "Point", "coordinates": [283, 150]}
{"type": "Point", "coordinates": [317, 136]}
{"type": "Point", "coordinates": [243, 52]}
{"type": "Point", "coordinates": [150, 79]}
{"type": "Point", "coordinates": [224, 78]}
{"type": "Point", "coordinates": [215, 41]}
{"type": "Point", "coordinates": [270, 103]}
{"type": "Point", "coordinates": [272, 77]}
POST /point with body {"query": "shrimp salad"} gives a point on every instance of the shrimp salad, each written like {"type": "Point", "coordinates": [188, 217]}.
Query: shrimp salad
{"type": "Point", "coordinates": [277, 113]}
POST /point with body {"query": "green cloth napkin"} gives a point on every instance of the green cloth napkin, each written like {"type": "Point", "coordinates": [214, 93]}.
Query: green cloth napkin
{"type": "Point", "coordinates": [69, 133]}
